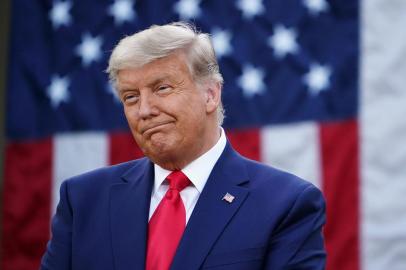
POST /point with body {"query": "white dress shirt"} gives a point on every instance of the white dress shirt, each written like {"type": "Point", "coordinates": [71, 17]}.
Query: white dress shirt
{"type": "Point", "coordinates": [197, 171]}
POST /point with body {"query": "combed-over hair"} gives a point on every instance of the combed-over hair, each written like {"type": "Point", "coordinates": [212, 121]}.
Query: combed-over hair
{"type": "Point", "coordinates": [162, 40]}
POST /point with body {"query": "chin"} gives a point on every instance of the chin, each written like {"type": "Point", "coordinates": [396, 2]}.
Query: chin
{"type": "Point", "coordinates": [161, 150]}
{"type": "Point", "coordinates": [156, 143]}
{"type": "Point", "coordinates": [165, 159]}
{"type": "Point", "coordinates": [161, 142]}
{"type": "Point", "coordinates": [164, 150]}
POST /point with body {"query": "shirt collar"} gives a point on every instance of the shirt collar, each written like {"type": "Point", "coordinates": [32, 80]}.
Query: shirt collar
{"type": "Point", "coordinates": [197, 171]}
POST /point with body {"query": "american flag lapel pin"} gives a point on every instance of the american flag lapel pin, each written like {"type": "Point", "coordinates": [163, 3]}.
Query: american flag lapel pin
{"type": "Point", "coordinates": [228, 198]}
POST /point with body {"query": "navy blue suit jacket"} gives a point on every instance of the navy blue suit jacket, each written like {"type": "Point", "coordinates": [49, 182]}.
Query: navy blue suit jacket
{"type": "Point", "coordinates": [274, 222]}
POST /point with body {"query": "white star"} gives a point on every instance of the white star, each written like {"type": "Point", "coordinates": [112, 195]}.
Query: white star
{"type": "Point", "coordinates": [283, 41]}
{"type": "Point", "coordinates": [222, 42]}
{"type": "Point", "coordinates": [89, 49]}
{"type": "Point", "coordinates": [251, 8]}
{"type": "Point", "coordinates": [59, 14]}
{"type": "Point", "coordinates": [316, 6]}
{"type": "Point", "coordinates": [122, 11]}
{"type": "Point", "coordinates": [188, 9]}
{"type": "Point", "coordinates": [252, 81]}
{"type": "Point", "coordinates": [318, 78]}
{"type": "Point", "coordinates": [58, 90]}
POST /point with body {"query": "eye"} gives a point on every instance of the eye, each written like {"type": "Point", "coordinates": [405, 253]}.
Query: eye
{"type": "Point", "coordinates": [163, 88]}
{"type": "Point", "coordinates": [130, 98]}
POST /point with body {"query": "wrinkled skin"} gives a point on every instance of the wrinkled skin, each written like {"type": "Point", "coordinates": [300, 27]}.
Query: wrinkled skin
{"type": "Point", "coordinates": [172, 118]}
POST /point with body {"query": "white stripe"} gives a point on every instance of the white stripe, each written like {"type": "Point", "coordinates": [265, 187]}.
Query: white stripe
{"type": "Point", "coordinates": [75, 154]}
{"type": "Point", "coordinates": [383, 135]}
{"type": "Point", "coordinates": [293, 148]}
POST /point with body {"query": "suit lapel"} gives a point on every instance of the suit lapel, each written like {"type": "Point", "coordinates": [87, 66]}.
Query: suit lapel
{"type": "Point", "coordinates": [211, 213]}
{"type": "Point", "coordinates": [129, 207]}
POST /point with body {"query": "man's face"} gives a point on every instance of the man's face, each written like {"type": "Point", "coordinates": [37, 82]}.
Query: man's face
{"type": "Point", "coordinates": [170, 116]}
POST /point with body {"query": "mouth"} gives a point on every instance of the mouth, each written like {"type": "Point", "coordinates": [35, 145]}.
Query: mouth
{"type": "Point", "coordinates": [154, 127]}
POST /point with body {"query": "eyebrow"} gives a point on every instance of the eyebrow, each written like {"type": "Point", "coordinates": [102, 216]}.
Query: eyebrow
{"type": "Point", "coordinates": [155, 81]}
{"type": "Point", "coordinates": [158, 80]}
{"type": "Point", "coordinates": [125, 89]}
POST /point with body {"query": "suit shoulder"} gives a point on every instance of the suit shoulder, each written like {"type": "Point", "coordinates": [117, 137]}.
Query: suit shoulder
{"type": "Point", "coordinates": [267, 177]}
{"type": "Point", "coordinates": [106, 175]}
{"type": "Point", "coordinates": [270, 186]}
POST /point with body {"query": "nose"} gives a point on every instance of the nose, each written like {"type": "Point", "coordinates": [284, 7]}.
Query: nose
{"type": "Point", "coordinates": [147, 106]}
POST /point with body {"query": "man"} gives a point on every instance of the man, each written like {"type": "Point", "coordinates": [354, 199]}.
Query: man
{"type": "Point", "coordinates": [192, 202]}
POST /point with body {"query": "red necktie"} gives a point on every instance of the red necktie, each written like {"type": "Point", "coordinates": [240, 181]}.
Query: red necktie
{"type": "Point", "coordinates": [167, 224]}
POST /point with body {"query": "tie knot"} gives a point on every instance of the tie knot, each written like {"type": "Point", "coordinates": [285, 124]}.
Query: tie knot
{"type": "Point", "coordinates": [178, 180]}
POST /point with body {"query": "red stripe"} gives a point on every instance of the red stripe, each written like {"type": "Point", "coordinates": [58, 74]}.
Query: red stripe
{"type": "Point", "coordinates": [123, 148]}
{"type": "Point", "coordinates": [246, 142]}
{"type": "Point", "coordinates": [340, 160]}
{"type": "Point", "coordinates": [26, 205]}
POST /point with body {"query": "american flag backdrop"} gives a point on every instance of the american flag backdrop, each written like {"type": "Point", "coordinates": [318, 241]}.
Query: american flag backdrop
{"type": "Point", "coordinates": [315, 87]}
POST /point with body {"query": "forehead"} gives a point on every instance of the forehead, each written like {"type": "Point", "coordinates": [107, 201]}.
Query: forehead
{"type": "Point", "coordinates": [173, 66]}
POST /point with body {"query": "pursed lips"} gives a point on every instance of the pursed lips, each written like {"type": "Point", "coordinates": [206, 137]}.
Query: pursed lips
{"type": "Point", "coordinates": [150, 127]}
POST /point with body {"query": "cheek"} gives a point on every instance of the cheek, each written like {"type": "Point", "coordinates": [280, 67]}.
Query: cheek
{"type": "Point", "coordinates": [131, 118]}
{"type": "Point", "coordinates": [193, 110]}
{"type": "Point", "coordinates": [191, 124]}
{"type": "Point", "coordinates": [132, 123]}
{"type": "Point", "coordinates": [139, 140]}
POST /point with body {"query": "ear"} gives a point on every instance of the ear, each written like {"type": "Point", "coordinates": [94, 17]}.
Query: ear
{"type": "Point", "coordinates": [213, 97]}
